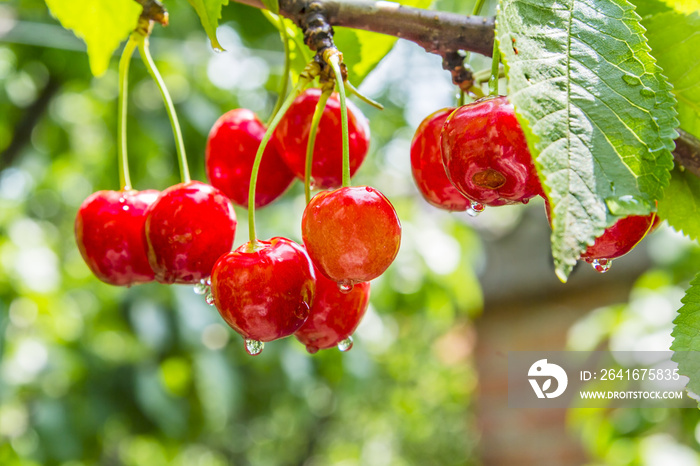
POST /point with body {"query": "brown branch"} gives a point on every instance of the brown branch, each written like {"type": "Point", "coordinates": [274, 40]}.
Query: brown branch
{"type": "Point", "coordinates": [153, 10]}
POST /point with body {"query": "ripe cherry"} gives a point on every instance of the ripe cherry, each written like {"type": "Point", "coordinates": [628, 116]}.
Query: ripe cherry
{"type": "Point", "coordinates": [352, 234]}
{"type": "Point", "coordinates": [334, 315]}
{"type": "Point", "coordinates": [428, 169]}
{"type": "Point", "coordinates": [231, 147]}
{"type": "Point", "coordinates": [187, 229]}
{"type": "Point", "coordinates": [486, 156]}
{"type": "Point", "coordinates": [264, 292]}
{"type": "Point", "coordinates": [292, 136]}
{"type": "Point", "coordinates": [109, 233]}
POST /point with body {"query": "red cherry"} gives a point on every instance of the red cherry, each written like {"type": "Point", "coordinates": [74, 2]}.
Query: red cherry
{"type": "Point", "coordinates": [187, 229]}
{"type": "Point", "coordinates": [292, 136]}
{"type": "Point", "coordinates": [352, 234]}
{"type": "Point", "coordinates": [428, 169]}
{"type": "Point", "coordinates": [231, 147]}
{"type": "Point", "coordinates": [264, 293]}
{"type": "Point", "coordinates": [109, 233]}
{"type": "Point", "coordinates": [486, 155]}
{"type": "Point", "coordinates": [334, 315]}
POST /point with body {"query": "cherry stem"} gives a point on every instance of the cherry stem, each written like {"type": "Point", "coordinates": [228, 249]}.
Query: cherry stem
{"type": "Point", "coordinates": [333, 60]}
{"type": "Point", "coordinates": [124, 61]}
{"type": "Point", "coordinates": [301, 84]}
{"type": "Point", "coordinates": [284, 83]}
{"type": "Point", "coordinates": [363, 98]}
{"type": "Point", "coordinates": [179, 143]}
{"type": "Point", "coordinates": [318, 113]}
{"type": "Point", "coordinates": [495, 69]}
{"type": "Point", "coordinates": [462, 97]}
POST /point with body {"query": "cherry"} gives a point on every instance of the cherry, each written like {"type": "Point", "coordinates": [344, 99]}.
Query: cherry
{"type": "Point", "coordinates": [334, 315]}
{"type": "Point", "coordinates": [352, 234]}
{"type": "Point", "coordinates": [109, 233]}
{"type": "Point", "coordinates": [292, 136]}
{"type": "Point", "coordinates": [486, 155]}
{"type": "Point", "coordinates": [187, 229]}
{"type": "Point", "coordinates": [428, 169]}
{"type": "Point", "coordinates": [231, 147]}
{"type": "Point", "coordinates": [264, 292]}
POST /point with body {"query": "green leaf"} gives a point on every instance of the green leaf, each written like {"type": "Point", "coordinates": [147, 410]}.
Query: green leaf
{"type": "Point", "coordinates": [686, 336]}
{"type": "Point", "coordinates": [675, 40]}
{"type": "Point", "coordinates": [680, 206]}
{"type": "Point", "coordinates": [272, 5]}
{"type": "Point", "coordinates": [102, 24]}
{"type": "Point", "coordinates": [209, 12]}
{"type": "Point", "coordinates": [598, 115]}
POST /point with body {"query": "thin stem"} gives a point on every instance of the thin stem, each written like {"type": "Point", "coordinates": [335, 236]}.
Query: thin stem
{"type": "Point", "coordinates": [301, 84]}
{"type": "Point", "coordinates": [495, 70]}
{"type": "Point", "coordinates": [284, 83]}
{"type": "Point", "coordinates": [124, 61]}
{"type": "Point", "coordinates": [179, 143]}
{"type": "Point", "coordinates": [318, 113]}
{"type": "Point", "coordinates": [353, 90]}
{"type": "Point", "coordinates": [334, 62]}
{"type": "Point", "coordinates": [462, 97]}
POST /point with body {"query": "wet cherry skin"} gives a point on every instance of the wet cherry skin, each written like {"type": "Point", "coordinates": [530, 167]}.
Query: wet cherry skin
{"type": "Point", "coordinates": [428, 169]}
{"type": "Point", "coordinates": [231, 147]}
{"type": "Point", "coordinates": [334, 315]}
{"type": "Point", "coordinates": [264, 293]}
{"type": "Point", "coordinates": [187, 229]}
{"type": "Point", "coordinates": [109, 234]}
{"type": "Point", "coordinates": [292, 135]}
{"type": "Point", "coordinates": [486, 156]}
{"type": "Point", "coordinates": [352, 234]}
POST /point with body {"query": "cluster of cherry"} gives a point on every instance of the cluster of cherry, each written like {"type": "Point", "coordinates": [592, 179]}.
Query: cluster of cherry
{"type": "Point", "coordinates": [265, 290]}
{"type": "Point", "coordinates": [475, 156]}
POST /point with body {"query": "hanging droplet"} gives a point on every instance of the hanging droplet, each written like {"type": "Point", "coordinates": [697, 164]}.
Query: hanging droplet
{"type": "Point", "coordinates": [525, 201]}
{"type": "Point", "coordinates": [201, 288]}
{"type": "Point", "coordinates": [311, 349]}
{"type": "Point", "coordinates": [601, 265]}
{"type": "Point", "coordinates": [345, 286]}
{"type": "Point", "coordinates": [207, 281]}
{"type": "Point", "coordinates": [209, 298]}
{"type": "Point", "coordinates": [253, 347]}
{"type": "Point", "coordinates": [218, 49]}
{"type": "Point", "coordinates": [345, 345]}
{"type": "Point", "coordinates": [475, 209]}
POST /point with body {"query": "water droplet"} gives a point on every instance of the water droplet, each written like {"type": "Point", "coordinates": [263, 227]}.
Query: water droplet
{"type": "Point", "coordinates": [312, 183]}
{"type": "Point", "coordinates": [647, 92]}
{"type": "Point", "coordinates": [253, 347]}
{"type": "Point", "coordinates": [218, 49]}
{"type": "Point", "coordinates": [201, 288]}
{"type": "Point", "coordinates": [345, 345]}
{"type": "Point", "coordinates": [631, 79]}
{"type": "Point", "coordinates": [475, 209]}
{"type": "Point", "coordinates": [209, 298]}
{"type": "Point", "coordinates": [345, 286]}
{"type": "Point", "coordinates": [125, 208]}
{"type": "Point", "coordinates": [311, 349]}
{"type": "Point", "coordinates": [601, 265]}
{"type": "Point", "coordinates": [628, 205]}
{"type": "Point", "coordinates": [122, 200]}
{"type": "Point", "coordinates": [525, 201]}
{"type": "Point", "coordinates": [302, 312]}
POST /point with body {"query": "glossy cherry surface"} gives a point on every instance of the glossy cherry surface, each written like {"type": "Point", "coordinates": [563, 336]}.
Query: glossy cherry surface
{"type": "Point", "coordinates": [187, 229]}
{"type": "Point", "coordinates": [352, 234]}
{"type": "Point", "coordinates": [109, 234]}
{"type": "Point", "coordinates": [486, 156]}
{"type": "Point", "coordinates": [334, 315]}
{"type": "Point", "coordinates": [292, 136]}
{"type": "Point", "coordinates": [231, 147]}
{"type": "Point", "coordinates": [265, 293]}
{"type": "Point", "coordinates": [428, 169]}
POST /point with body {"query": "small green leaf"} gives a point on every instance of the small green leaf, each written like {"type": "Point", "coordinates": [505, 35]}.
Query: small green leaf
{"type": "Point", "coordinates": [272, 5]}
{"type": "Point", "coordinates": [598, 115]}
{"type": "Point", "coordinates": [675, 40]}
{"type": "Point", "coordinates": [209, 12]}
{"type": "Point", "coordinates": [680, 206]}
{"type": "Point", "coordinates": [102, 24]}
{"type": "Point", "coordinates": [686, 336]}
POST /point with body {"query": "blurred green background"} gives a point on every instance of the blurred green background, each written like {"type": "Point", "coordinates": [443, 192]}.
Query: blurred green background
{"type": "Point", "coordinates": [151, 375]}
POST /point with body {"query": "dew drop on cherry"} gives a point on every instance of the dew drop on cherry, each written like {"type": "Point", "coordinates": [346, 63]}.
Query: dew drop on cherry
{"type": "Point", "coordinates": [201, 287]}
{"type": "Point", "coordinates": [311, 349]}
{"type": "Point", "coordinates": [475, 209]}
{"type": "Point", "coordinates": [253, 347]}
{"type": "Point", "coordinates": [601, 265]}
{"type": "Point", "coordinates": [302, 312]}
{"type": "Point", "coordinates": [345, 345]}
{"type": "Point", "coordinates": [209, 298]}
{"type": "Point", "coordinates": [345, 287]}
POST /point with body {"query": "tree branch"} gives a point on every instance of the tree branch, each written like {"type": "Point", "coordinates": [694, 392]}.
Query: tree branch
{"type": "Point", "coordinates": [437, 32]}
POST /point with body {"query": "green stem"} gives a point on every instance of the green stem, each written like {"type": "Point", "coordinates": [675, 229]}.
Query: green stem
{"type": "Point", "coordinates": [284, 83]}
{"type": "Point", "coordinates": [462, 97]}
{"type": "Point", "coordinates": [301, 84]}
{"type": "Point", "coordinates": [495, 71]}
{"type": "Point", "coordinates": [318, 113]}
{"type": "Point", "coordinates": [179, 143]}
{"type": "Point", "coordinates": [365, 99]}
{"type": "Point", "coordinates": [334, 62]}
{"type": "Point", "coordinates": [124, 61]}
